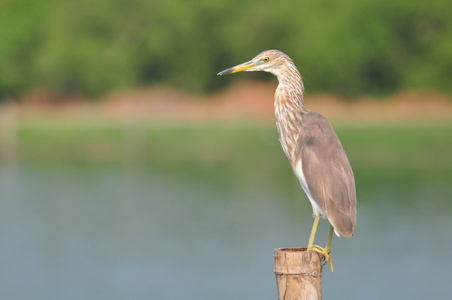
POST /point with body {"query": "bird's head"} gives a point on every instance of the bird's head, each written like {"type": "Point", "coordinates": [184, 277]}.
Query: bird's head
{"type": "Point", "coordinates": [269, 61]}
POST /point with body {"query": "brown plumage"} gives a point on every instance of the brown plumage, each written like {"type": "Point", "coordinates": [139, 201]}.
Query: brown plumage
{"type": "Point", "coordinates": [330, 181]}
{"type": "Point", "coordinates": [311, 145]}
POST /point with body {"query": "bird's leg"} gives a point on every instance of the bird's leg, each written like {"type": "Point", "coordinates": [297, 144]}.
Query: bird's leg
{"type": "Point", "coordinates": [328, 248]}
{"type": "Point", "coordinates": [313, 232]}
{"type": "Point", "coordinates": [325, 252]}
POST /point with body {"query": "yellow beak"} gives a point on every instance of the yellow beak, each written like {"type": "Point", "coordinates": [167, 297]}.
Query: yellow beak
{"type": "Point", "coordinates": [239, 68]}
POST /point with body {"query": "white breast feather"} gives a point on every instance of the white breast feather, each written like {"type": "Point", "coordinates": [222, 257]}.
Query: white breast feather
{"type": "Point", "coordinates": [315, 207]}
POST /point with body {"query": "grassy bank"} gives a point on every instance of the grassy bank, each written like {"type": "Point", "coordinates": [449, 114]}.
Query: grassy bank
{"type": "Point", "coordinates": [248, 148]}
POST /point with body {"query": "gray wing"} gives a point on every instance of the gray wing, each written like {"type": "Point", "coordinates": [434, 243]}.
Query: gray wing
{"type": "Point", "coordinates": [329, 176]}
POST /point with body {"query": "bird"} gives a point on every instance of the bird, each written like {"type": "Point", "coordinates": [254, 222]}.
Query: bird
{"type": "Point", "coordinates": [313, 149]}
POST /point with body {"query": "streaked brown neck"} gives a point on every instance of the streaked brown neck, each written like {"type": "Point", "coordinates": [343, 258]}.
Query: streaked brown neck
{"type": "Point", "coordinates": [289, 106]}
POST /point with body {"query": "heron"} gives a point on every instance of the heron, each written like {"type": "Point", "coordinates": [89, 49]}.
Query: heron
{"type": "Point", "coordinates": [313, 149]}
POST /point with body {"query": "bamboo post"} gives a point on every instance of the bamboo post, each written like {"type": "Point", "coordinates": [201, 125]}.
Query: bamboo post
{"type": "Point", "coordinates": [298, 274]}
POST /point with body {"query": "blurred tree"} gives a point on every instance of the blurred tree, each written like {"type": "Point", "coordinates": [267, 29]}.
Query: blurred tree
{"type": "Point", "coordinates": [20, 36]}
{"type": "Point", "coordinates": [348, 47]}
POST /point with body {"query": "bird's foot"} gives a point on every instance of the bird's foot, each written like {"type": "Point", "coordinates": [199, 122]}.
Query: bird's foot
{"type": "Point", "coordinates": [324, 252]}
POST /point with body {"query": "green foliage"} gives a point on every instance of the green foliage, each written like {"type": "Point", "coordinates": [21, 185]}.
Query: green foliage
{"type": "Point", "coordinates": [218, 146]}
{"type": "Point", "coordinates": [348, 47]}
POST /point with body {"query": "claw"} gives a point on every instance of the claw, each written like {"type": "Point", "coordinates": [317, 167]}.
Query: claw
{"type": "Point", "coordinates": [324, 252]}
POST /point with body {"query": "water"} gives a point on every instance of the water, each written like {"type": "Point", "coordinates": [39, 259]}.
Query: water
{"type": "Point", "coordinates": [79, 232]}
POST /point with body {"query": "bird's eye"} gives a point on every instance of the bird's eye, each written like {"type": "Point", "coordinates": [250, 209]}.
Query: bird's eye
{"type": "Point", "coordinates": [266, 59]}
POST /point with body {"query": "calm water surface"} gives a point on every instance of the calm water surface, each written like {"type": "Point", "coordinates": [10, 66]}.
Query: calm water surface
{"type": "Point", "coordinates": [84, 233]}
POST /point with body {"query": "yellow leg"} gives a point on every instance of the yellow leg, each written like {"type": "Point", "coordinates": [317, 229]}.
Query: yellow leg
{"type": "Point", "coordinates": [328, 248]}
{"type": "Point", "coordinates": [325, 252]}
{"type": "Point", "coordinates": [313, 232]}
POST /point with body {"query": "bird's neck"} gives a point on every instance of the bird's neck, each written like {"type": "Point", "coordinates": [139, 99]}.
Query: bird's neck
{"type": "Point", "coordinates": [291, 84]}
{"type": "Point", "coordinates": [289, 107]}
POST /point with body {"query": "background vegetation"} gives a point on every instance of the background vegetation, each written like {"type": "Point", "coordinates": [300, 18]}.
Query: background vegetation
{"type": "Point", "coordinates": [229, 148]}
{"type": "Point", "coordinates": [348, 47]}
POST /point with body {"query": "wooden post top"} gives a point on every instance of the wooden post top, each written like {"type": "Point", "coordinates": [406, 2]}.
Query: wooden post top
{"type": "Point", "coordinates": [298, 274]}
{"type": "Point", "coordinates": [297, 261]}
